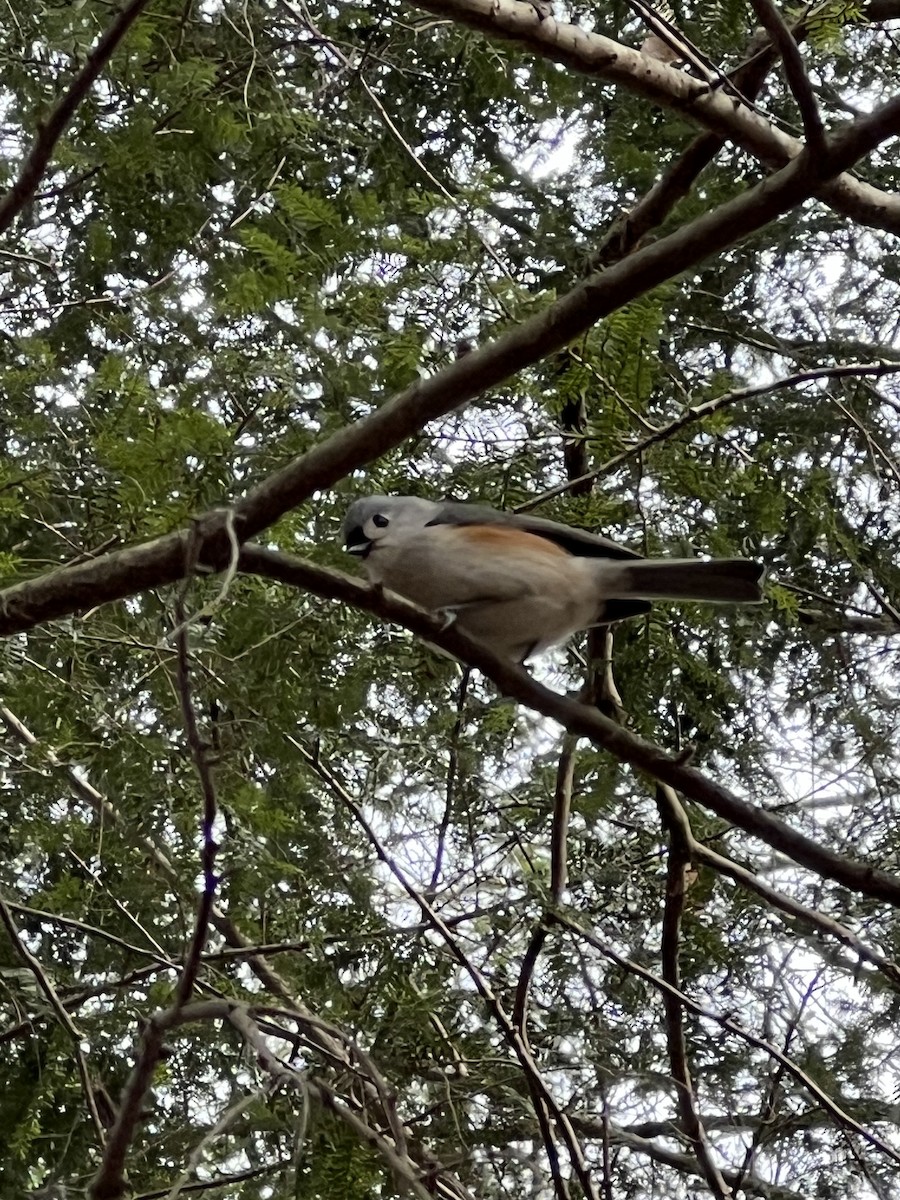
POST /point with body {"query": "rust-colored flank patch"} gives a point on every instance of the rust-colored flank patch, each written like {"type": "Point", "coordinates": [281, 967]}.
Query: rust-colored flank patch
{"type": "Point", "coordinates": [500, 536]}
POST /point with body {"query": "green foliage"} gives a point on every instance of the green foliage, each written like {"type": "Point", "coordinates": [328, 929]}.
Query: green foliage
{"type": "Point", "coordinates": [237, 252]}
{"type": "Point", "coordinates": [826, 22]}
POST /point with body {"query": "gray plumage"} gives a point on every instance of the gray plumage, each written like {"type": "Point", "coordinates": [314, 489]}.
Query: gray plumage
{"type": "Point", "coordinates": [522, 583]}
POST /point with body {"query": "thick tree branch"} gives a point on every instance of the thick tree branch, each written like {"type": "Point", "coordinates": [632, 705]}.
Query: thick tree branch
{"type": "Point", "coordinates": [136, 568]}
{"type": "Point", "coordinates": [676, 181]}
{"type": "Point", "coordinates": [51, 130]}
{"type": "Point", "coordinates": [601, 57]}
{"type": "Point", "coordinates": [877, 11]}
{"type": "Point", "coordinates": [579, 718]}
{"type": "Point", "coordinates": [109, 1182]}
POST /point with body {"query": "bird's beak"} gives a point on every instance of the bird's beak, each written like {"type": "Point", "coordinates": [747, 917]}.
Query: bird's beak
{"type": "Point", "coordinates": [356, 542]}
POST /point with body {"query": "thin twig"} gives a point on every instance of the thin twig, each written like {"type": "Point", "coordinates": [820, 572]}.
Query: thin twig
{"type": "Point", "coordinates": [675, 822]}
{"type": "Point", "coordinates": [200, 757]}
{"type": "Point", "coordinates": [730, 1025]}
{"type": "Point", "coordinates": [207, 1185]}
{"type": "Point", "coordinates": [658, 21]}
{"type": "Point", "coordinates": [451, 785]}
{"type": "Point", "coordinates": [42, 915]}
{"type": "Point", "coordinates": [795, 71]}
{"type": "Point", "coordinates": [43, 981]}
{"type": "Point", "coordinates": [562, 804]}
{"type": "Point", "coordinates": [767, 1108]}
{"type": "Point", "coordinates": [876, 449]}
{"type": "Point", "coordinates": [398, 1161]}
{"type": "Point", "coordinates": [699, 412]}
{"type": "Point", "coordinates": [305, 19]}
{"type": "Point", "coordinates": [184, 621]}
{"type": "Point", "coordinates": [562, 810]}
{"type": "Point", "coordinates": [109, 1181]}
{"type": "Point", "coordinates": [222, 1124]}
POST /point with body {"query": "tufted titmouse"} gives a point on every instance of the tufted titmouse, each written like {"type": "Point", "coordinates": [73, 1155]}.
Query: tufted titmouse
{"type": "Point", "coordinates": [521, 583]}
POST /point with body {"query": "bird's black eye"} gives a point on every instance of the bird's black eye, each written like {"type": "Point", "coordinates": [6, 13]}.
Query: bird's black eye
{"type": "Point", "coordinates": [380, 521]}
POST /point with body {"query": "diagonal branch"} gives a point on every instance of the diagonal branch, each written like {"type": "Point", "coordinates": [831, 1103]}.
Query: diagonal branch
{"type": "Point", "coordinates": [795, 71]}
{"type": "Point", "coordinates": [255, 956]}
{"type": "Point", "coordinates": [750, 1185]}
{"type": "Point", "coordinates": [545, 1104]}
{"type": "Point", "coordinates": [136, 568]}
{"type": "Point", "coordinates": [51, 130]}
{"type": "Point", "coordinates": [698, 412]}
{"type": "Point", "coordinates": [46, 986]}
{"type": "Point", "coordinates": [601, 57]}
{"type": "Point", "coordinates": [421, 1183]}
{"type": "Point", "coordinates": [821, 922]}
{"type": "Point", "coordinates": [581, 719]}
{"type": "Point", "coordinates": [677, 179]}
{"type": "Point", "coordinates": [109, 1182]}
{"type": "Point", "coordinates": [838, 1114]}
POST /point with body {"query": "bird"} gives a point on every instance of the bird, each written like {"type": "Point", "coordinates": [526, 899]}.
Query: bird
{"type": "Point", "coordinates": [522, 584]}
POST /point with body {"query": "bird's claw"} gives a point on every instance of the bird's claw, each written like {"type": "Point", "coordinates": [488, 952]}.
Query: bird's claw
{"type": "Point", "coordinates": [448, 616]}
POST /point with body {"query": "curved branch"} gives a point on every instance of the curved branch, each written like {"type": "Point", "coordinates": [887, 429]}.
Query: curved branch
{"type": "Point", "coordinates": [619, 1136]}
{"type": "Point", "coordinates": [601, 57]}
{"type": "Point", "coordinates": [579, 718]}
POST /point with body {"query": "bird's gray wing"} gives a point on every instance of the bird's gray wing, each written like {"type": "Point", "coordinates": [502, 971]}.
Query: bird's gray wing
{"type": "Point", "coordinates": [576, 541]}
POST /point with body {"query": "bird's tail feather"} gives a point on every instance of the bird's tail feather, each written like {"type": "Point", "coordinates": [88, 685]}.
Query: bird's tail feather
{"type": "Point", "coordinates": [723, 580]}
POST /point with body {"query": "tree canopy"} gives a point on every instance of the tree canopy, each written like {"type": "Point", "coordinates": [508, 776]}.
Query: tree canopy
{"type": "Point", "coordinates": [293, 905]}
